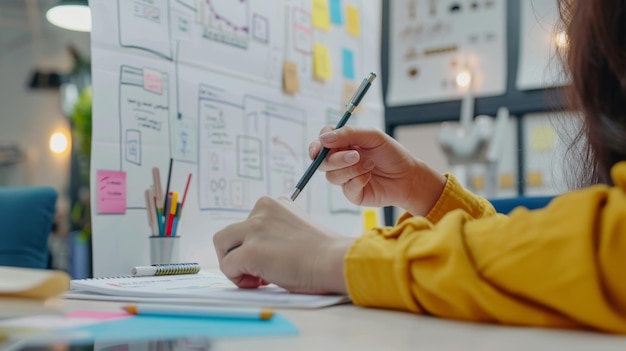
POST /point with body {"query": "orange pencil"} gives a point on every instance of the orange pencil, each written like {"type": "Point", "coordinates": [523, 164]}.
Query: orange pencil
{"type": "Point", "coordinates": [172, 213]}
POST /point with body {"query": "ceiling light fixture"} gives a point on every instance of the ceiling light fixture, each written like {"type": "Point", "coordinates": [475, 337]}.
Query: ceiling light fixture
{"type": "Point", "coordinates": [71, 14]}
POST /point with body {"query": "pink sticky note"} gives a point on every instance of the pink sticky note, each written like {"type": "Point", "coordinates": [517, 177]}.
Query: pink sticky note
{"type": "Point", "coordinates": [98, 315]}
{"type": "Point", "coordinates": [153, 81]}
{"type": "Point", "coordinates": [111, 192]}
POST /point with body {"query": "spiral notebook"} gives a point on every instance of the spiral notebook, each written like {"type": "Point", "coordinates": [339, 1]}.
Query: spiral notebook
{"type": "Point", "coordinates": [201, 288]}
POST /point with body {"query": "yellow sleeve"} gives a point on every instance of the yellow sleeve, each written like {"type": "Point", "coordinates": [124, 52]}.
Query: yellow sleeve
{"type": "Point", "coordinates": [561, 266]}
{"type": "Point", "coordinates": [454, 196]}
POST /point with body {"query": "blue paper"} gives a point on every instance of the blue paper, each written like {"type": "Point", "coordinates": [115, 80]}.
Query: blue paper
{"type": "Point", "coordinates": [161, 327]}
{"type": "Point", "coordinates": [348, 64]}
{"type": "Point", "coordinates": [335, 12]}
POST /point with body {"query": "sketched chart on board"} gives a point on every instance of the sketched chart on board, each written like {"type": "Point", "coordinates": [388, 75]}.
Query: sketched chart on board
{"type": "Point", "coordinates": [144, 24]}
{"type": "Point", "coordinates": [285, 139]}
{"type": "Point", "coordinates": [242, 36]}
{"type": "Point", "coordinates": [144, 123]}
{"type": "Point", "coordinates": [249, 147]}
{"type": "Point", "coordinates": [225, 21]}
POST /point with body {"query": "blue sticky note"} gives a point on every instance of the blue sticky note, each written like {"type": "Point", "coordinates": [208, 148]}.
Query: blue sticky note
{"type": "Point", "coordinates": [162, 327]}
{"type": "Point", "coordinates": [335, 12]}
{"type": "Point", "coordinates": [348, 63]}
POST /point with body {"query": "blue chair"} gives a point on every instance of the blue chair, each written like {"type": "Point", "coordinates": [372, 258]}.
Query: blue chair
{"type": "Point", "coordinates": [26, 218]}
{"type": "Point", "coordinates": [530, 202]}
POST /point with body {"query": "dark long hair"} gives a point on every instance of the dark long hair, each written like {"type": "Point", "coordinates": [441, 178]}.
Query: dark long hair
{"type": "Point", "coordinates": [595, 60]}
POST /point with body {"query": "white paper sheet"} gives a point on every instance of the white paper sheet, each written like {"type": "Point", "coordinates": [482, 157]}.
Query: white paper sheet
{"type": "Point", "coordinates": [431, 42]}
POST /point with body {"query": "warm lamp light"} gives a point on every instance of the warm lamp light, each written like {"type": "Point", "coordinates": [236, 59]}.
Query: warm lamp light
{"type": "Point", "coordinates": [58, 143]}
{"type": "Point", "coordinates": [561, 40]}
{"type": "Point", "coordinates": [71, 14]}
{"type": "Point", "coordinates": [463, 79]}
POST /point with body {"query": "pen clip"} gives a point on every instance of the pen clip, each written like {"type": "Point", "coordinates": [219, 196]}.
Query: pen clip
{"type": "Point", "coordinates": [360, 92]}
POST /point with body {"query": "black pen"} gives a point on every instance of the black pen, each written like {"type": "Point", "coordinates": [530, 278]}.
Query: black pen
{"type": "Point", "coordinates": [350, 106]}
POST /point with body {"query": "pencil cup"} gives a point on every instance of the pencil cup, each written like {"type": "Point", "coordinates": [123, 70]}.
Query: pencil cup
{"type": "Point", "coordinates": [164, 249]}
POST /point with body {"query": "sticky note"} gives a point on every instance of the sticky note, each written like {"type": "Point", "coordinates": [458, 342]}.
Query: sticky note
{"type": "Point", "coordinates": [291, 83]}
{"type": "Point", "coordinates": [542, 138]}
{"type": "Point", "coordinates": [370, 218]}
{"type": "Point", "coordinates": [478, 182]}
{"type": "Point", "coordinates": [534, 179]}
{"type": "Point", "coordinates": [335, 12]}
{"type": "Point", "coordinates": [102, 316]}
{"type": "Point", "coordinates": [320, 14]}
{"type": "Point", "coordinates": [353, 25]}
{"type": "Point", "coordinates": [507, 181]}
{"type": "Point", "coordinates": [322, 67]}
{"type": "Point", "coordinates": [348, 63]}
{"type": "Point", "coordinates": [111, 192]}
{"type": "Point", "coordinates": [153, 81]}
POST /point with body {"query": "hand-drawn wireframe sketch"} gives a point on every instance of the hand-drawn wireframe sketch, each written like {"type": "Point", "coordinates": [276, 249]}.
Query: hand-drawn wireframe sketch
{"type": "Point", "coordinates": [144, 122]}
{"type": "Point", "coordinates": [144, 24]}
{"type": "Point", "coordinates": [253, 146]}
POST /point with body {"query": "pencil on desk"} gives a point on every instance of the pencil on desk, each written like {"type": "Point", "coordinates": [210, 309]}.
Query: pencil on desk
{"type": "Point", "coordinates": [200, 311]}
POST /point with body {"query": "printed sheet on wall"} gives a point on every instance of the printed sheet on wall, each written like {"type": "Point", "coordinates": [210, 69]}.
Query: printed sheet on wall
{"type": "Point", "coordinates": [432, 42]}
{"type": "Point", "coordinates": [232, 92]}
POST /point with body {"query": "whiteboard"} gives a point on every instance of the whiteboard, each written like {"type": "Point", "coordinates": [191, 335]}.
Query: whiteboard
{"type": "Point", "coordinates": [201, 82]}
{"type": "Point", "coordinates": [432, 41]}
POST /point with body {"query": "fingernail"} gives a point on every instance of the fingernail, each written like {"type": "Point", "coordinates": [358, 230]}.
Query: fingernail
{"type": "Point", "coordinates": [369, 164]}
{"type": "Point", "coordinates": [329, 136]}
{"type": "Point", "coordinates": [351, 157]}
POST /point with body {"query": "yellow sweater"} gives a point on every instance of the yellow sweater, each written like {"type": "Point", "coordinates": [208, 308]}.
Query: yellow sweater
{"type": "Point", "coordinates": [561, 266]}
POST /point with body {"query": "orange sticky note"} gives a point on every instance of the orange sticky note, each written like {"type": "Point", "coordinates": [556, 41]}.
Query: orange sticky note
{"type": "Point", "coordinates": [291, 83]}
{"type": "Point", "coordinates": [353, 21]}
{"type": "Point", "coordinates": [322, 67]}
{"type": "Point", "coordinates": [320, 15]}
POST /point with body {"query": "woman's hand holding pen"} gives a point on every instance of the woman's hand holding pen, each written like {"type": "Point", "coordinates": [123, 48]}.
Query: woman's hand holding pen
{"type": "Point", "coordinates": [375, 170]}
{"type": "Point", "coordinates": [279, 243]}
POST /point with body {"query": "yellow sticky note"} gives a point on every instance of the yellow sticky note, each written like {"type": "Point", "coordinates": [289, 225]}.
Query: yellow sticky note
{"type": "Point", "coordinates": [507, 181]}
{"type": "Point", "coordinates": [291, 83]}
{"type": "Point", "coordinates": [353, 21]}
{"type": "Point", "coordinates": [542, 138]}
{"type": "Point", "coordinates": [320, 15]}
{"type": "Point", "coordinates": [322, 68]}
{"type": "Point", "coordinates": [534, 179]}
{"type": "Point", "coordinates": [478, 182]}
{"type": "Point", "coordinates": [370, 219]}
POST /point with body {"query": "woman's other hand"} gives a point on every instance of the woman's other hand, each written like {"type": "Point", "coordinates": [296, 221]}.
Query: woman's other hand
{"type": "Point", "coordinates": [278, 243]}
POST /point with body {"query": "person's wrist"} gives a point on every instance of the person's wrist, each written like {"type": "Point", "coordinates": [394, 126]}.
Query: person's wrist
{"type": "Point", "coordinates": [425, 190]}
{"type": "Point", "coordinates": [332, 278]}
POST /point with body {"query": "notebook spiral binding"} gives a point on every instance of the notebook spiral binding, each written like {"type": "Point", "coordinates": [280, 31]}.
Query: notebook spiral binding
{"type": "Point", "coordinates": [176, 268]}
{"type": "Point", "coordinates": [161, 269]}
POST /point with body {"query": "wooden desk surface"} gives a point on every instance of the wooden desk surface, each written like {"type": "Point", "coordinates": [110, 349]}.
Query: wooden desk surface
{"type": "Point", "coordinates": [349, 327]}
